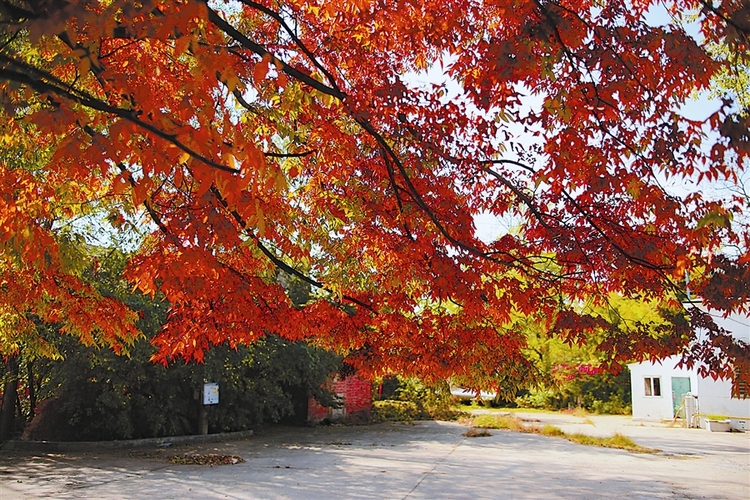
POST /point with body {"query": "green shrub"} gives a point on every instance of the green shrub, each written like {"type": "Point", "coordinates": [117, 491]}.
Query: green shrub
{"type": "Point", "coordinates": [433, 401]}
{"type": "Point", "coordinates": [615, 406]}
{"type": "Point", "coordinates": [394, 411]}
{"type": "Point", "coordinates": [601, 393]}
{"type": "Point", "coordinates": [94, 394]}
{"type": "Point", "coordinates": [542, 399]}
{"type": "Point", "coordinates": [97, 395]}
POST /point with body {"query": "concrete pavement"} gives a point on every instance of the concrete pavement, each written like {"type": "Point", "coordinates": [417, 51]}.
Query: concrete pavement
{"type": "Point", "coordinates": [402, 461]}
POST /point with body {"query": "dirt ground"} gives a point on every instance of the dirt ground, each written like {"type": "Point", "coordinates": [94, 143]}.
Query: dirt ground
{"type": "Point", "coordinates": [403, 461]}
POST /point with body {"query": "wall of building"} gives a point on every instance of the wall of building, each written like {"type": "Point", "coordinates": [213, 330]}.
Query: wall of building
{"type": "Point", "coordinates": [714, 396]}
{"type": "Point", "coordinates": [657, 407]}
{"type": "Point", "coordinates": [353, 391]}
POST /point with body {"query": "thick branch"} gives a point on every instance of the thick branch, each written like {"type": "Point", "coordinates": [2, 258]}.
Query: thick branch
{"type": "Point", "coordinates": [277, 17]}
{"type": "Point", "coordinates": [230, 30]}
{"type": "Point", "coordinates": [289, 155]}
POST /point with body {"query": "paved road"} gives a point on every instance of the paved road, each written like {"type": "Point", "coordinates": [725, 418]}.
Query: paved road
{"type": "Point", "coordinates": [401, 461]}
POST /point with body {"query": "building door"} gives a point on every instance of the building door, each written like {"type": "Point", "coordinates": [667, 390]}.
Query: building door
{"type": "Point", "coordinates": [680, 386]}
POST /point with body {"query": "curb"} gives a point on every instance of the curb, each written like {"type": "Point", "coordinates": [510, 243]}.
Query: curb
{"type": "Point", "coordinates": [53, 446]}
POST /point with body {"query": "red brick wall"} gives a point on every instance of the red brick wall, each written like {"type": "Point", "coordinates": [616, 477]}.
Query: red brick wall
{"type": "Point", "coordinates": [356, 393]}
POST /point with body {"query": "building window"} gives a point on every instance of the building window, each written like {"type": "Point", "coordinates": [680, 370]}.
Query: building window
{"type": "Point", "coordinates": [741, 391]}
{"type": "Point", "coordinates": [652, 386]}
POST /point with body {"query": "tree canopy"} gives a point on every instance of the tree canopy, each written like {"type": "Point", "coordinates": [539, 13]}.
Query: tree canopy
{"type": "Point", "coordinates": [348, 146]}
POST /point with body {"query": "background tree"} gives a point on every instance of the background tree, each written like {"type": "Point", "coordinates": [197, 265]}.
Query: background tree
{"type": "Point", "coordinates": [573, 371]}
{"type": "Point", "coordinates": [292, 135]}
{"type": "Point", "coordinates": [93, 393]}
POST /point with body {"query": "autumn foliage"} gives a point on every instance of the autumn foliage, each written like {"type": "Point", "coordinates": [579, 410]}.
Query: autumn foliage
{"type": "Point", "coordinates": [348, 145]}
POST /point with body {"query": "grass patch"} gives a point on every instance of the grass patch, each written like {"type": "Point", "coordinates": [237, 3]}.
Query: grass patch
{"type": "Point", "coordinates": [473, 405]}
{"type": "Point", "coordinates": [390, 410]}
{"type": "Point", "coordinates": [552, 431]}
{"type": "Point", "coordinates": [580, 413]}
{"type": "Point", "coordinates": [475, 433]}
{"type": "Point", "coordinates": [617, 441]}
{"type": "Point", "coordinates": [576, 412]}
{"type": "Point", "coordinates": [507, 422]}
{"type": "Point", "coordinates": [513, 423]}
{"type": "Point", "coordinates": [716, 417]}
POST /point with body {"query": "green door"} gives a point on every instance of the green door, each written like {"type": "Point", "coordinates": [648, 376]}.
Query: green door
{"type": "Point", "coordinates": [680, 386]}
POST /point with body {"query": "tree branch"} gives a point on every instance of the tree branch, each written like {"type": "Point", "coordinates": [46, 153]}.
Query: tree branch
{"type": "Point", "coordinates": [277, 17]}
{"type": "Point", "coordinates": [274, 259]}
{"type": "Point", "coordinates": [258, 49]}
{"type": "Point", "coordinates": [89, 101]}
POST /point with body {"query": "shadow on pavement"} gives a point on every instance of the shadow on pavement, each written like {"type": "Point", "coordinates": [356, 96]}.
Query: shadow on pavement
{"type": "Point", "coordinates": [425, 460]}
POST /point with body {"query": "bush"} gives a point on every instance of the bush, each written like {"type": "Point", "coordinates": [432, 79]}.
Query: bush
{"type": "Point", "coordinates": [94, 394]}
{"type": "Point", "coordinates": [97, 395]}
{"type": "Point", "coordinates": [615, 406]}
{"type": "Point", "coordinates": [394, 411]}
{"type": "Point", "coordinates": [433, 401]}
{"type": "Point", "coordinates": [541, 399]}
{"type": "Point", "coordinates": [407, 399]}
{"type": "Point", "coordinates": [601, 393]}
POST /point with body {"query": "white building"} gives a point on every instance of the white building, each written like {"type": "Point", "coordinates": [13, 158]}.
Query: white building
{"type": "Point", "coordinates": [658, 387]}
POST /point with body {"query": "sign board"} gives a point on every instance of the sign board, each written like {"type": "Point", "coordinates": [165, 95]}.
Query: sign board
{"type": "Point", "coordinates": [210, 393]}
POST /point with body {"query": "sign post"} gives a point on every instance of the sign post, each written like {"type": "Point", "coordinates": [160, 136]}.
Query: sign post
{"type": "Point", "coordinates": [210, 397]}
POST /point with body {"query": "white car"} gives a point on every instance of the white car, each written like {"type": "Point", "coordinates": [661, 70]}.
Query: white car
{"type": "Point", "coordinates": [464, 394]}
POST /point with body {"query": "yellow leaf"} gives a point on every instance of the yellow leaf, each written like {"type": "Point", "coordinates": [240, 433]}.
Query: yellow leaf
{"type": "Point", "coordinates": [231, 162]}
{"type": "Point", "coordinates": [222, 183]}
{"type": "Point", "coordinates": [326, 99]}
{"type": "Point", "coordinates": [280, 178]}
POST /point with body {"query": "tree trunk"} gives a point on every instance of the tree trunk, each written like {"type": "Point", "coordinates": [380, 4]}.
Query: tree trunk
{"type": "Point", "coordinates": [32, 389]}
{"type": "Point", "coordinates": [10, 394]}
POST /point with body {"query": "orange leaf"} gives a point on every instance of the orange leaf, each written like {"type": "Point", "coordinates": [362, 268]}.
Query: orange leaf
{"type": "Point", "coordinates": [261, 70]}
{"type": "Point", "coordinates": [181, 45]}
{"type": "Point", "coordinates": [119, 184]}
